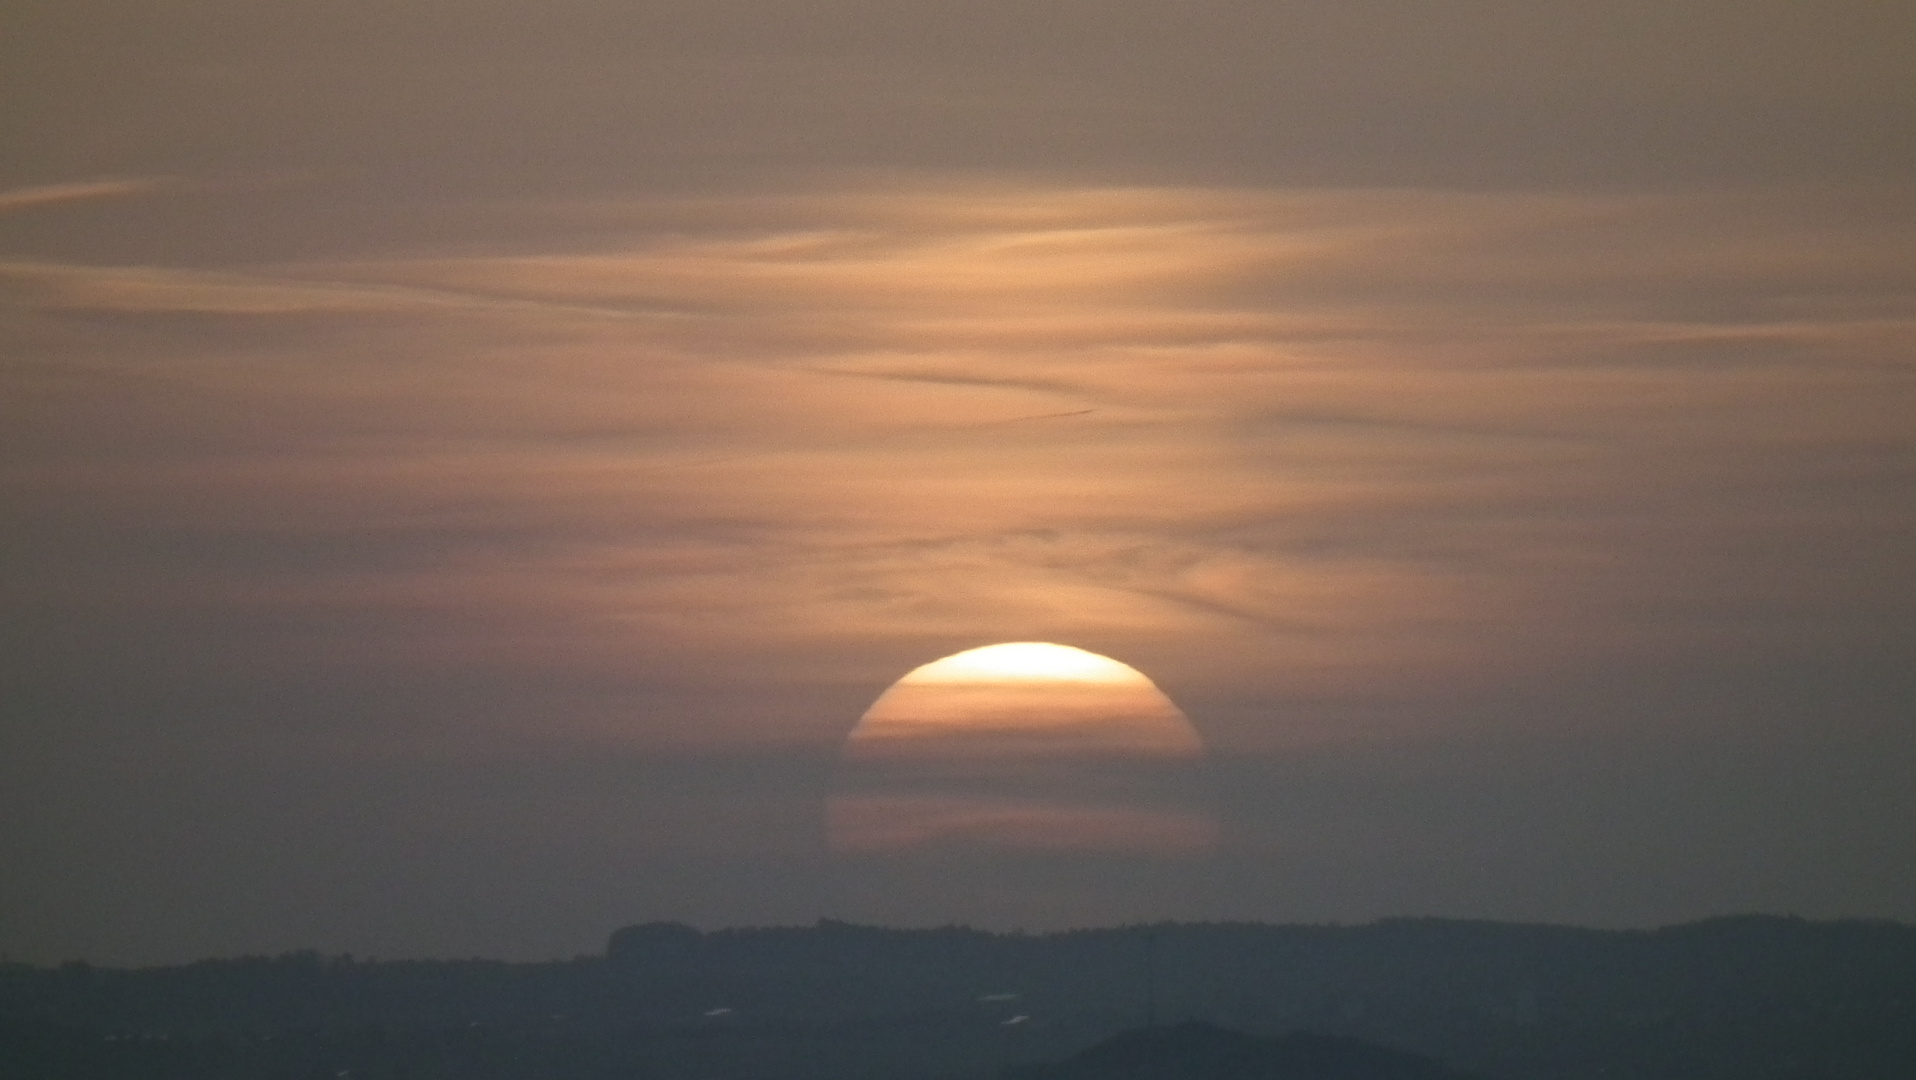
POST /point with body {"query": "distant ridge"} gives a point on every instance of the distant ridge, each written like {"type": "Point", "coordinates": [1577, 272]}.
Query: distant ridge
{"type": "Point", "coordinates": [1198, 1051]}
{"type": "Point", "coordinates": [1749, 998]}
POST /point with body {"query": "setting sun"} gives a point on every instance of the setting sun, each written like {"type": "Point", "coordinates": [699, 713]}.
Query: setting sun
{"type": "Point", "coordinates": [1019, 746]}
{"type": "Point", "coordinates": [1035, 661]}
{"type": "Point", "coordinates": [1023, 699]}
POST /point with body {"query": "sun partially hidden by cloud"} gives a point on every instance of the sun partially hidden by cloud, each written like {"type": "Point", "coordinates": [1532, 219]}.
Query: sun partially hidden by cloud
{"type": "Point", "coordinates": [1019, 746]}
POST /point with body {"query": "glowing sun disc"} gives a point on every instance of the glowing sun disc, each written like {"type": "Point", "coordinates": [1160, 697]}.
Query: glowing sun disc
{"type": "Point", "coordinates": [1024, 746]}
{"type": "Point", "coordinates": [1023, 698]}
{"type": "Point", "coordinates": [1026, 661]}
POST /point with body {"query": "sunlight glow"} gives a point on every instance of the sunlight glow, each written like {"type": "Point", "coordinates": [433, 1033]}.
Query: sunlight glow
{"type": "Point", "coordinates": [1023, 700]}
{"type": "Point", "coordinates": [1022, 661]}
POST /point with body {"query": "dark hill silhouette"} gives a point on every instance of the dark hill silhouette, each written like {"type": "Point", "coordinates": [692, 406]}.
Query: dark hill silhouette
{"type": "Point", "coordinates": [1199, 1051]}
{"type": "Point", "coordinates": [1746, 998]}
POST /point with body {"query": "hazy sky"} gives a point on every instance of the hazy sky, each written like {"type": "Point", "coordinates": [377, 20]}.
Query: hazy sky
{"type": "Point", "coordinates": [465, 466]}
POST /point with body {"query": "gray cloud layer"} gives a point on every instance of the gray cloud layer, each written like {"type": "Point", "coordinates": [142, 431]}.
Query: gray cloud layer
{"type": "Point", "coordinates": [487, 95]}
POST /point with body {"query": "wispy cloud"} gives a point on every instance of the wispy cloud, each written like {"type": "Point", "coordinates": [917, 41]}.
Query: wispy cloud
{"type": "Point", "coordinates": [1300, 438]}
{"type": "Point", "coordinates": [72, 191]}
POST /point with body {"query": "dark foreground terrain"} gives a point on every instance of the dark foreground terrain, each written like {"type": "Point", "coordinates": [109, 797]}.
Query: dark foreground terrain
{"type": "Point", "coordinates": [1744, 998]}
{"type": "Point", "coordinates": [1194, 1050]}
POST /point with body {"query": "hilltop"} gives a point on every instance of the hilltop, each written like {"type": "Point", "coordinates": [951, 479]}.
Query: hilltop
{"type": "Point", "coordinates": [1749, 998]}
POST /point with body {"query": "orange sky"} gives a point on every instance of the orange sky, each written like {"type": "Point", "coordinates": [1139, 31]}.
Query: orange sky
{"type": "Point", "coordinates": [1313, 439]}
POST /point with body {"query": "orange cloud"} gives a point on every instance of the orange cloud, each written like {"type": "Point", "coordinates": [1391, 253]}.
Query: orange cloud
{"type": "Point", "coordinates": [71, 191]}
{"type": "Point", "coordinates": [880, 825]}
{"type": "Point", "coordinates": [1323, 440]}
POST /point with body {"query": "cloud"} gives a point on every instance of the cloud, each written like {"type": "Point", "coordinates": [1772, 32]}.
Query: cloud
{"type": "Point", "coordinates": [73, 191]}
{"type": "Point", "coordinates": [898, 824]}
{"type": "Point", "coordinates": [1319, 92]}
{"type": "Point", "coordinates": [1301, 438]}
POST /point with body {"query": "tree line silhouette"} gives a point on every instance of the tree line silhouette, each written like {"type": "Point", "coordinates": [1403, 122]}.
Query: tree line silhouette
{"type": "Point", "coordinates": [1747, 998]}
